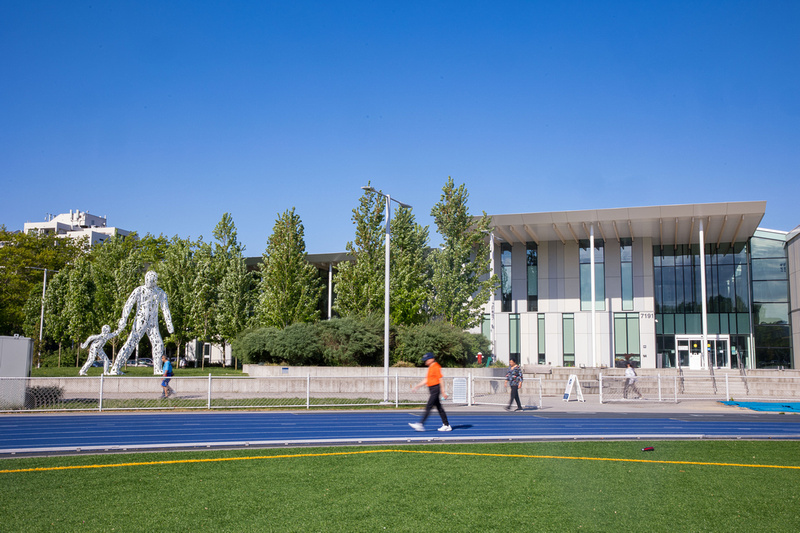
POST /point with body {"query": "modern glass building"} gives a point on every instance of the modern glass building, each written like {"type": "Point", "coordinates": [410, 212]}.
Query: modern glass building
{"type": "Point", "coordinates": [664, 286]}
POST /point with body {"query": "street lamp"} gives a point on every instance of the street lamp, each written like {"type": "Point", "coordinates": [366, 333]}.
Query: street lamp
{"type": "Point", "coordinates": [389, 199]}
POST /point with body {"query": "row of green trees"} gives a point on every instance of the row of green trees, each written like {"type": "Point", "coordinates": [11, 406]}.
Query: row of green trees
{"type": "Point", "coordinates": [214, 298]}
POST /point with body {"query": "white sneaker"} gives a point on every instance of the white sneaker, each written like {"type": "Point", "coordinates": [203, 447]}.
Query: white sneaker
{"type": "Point", "coordinates": [445, 428]}
{"type": "Point", "coordinates": [417, 426]}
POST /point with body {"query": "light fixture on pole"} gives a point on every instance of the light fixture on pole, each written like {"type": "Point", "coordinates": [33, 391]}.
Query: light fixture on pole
{"type": "Point", "coordinates": [389, 199]}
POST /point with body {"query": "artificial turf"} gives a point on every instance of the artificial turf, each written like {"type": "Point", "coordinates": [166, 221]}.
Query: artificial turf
{"type": "Point", "coordinates": [555, 486]}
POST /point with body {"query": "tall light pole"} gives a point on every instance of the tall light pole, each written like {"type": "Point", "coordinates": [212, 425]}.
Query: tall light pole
{"type": "Point", "coordinates": [389, 199]}
{"type": "Point", "coordinates": [490, 233]}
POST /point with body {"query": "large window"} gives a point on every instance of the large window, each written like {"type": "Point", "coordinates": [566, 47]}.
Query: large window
{"type": "Point", "coordinates": [505, 277]}
{"type": "Point", "coordinates": [626, 339]}
{"type": "Point", "coordinates": [540, 336]}
{"type": "Point", "coordinates": [568, 336]}
{"type": "Point", "coordinates": [486, 327]}
{"type": "Point", "coordinates": [514, 337]}
{"type": "Point", "coordinates": [533, 276]}
{"type": "Point", "coordinates": [626, 272]}
{"type": "Point", "coordinates": [772, 332]}
{"type": "Point", "coordinates": [586, 276]}
{"type": "Point", "coordinates": [678, 294]}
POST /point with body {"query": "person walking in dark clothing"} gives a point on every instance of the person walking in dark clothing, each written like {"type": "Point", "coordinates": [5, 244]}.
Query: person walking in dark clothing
{"type": "Point", "coordinates": [514, 382]}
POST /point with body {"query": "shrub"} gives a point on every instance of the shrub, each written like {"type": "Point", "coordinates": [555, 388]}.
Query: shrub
{"type": "Point", "coordinates": [255, 346]}
{"type": "Point", "coordinates": [297, 345]}
{"type": "Point", "coordinates": [352, 342]}
{"type": "Point", "coordinates": [452, 346]}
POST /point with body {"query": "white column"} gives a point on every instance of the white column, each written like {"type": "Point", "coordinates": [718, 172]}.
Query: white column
{"type": "Point", "coordinates": [41, 320]}
{"type": "Point", "coordinates": [330, 288]}
{"type": "Point", "coordinates": [704, 311]}
{"type": "Point", "coordinates": [492, 302]}
{"type": "Point", "coordinates": [386, 306]}
{"type": "Point", "coordinates": [593, 289]}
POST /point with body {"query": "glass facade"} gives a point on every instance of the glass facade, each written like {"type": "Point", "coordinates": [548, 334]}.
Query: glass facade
{"type": "Point", "coordinates": [626, 339]}
{"type": "Point", "coordinates": [514, 337]}
{"type": "Point", "coordinates": [678, 300]}
{"type": "Point", "coordinates": [505, 277]}
{"type": "Point", "coordinates": [540, 336]}
{"type": "Point", "coordinates": [771, 327]}
{"type": "Point", "coordinates": [568, 335]}
{"type": "Point", "coordinates": [533, 276]}
{"type": "Point", "coordinates": [626, 272]}
{"type": "Point", "coordinates": [586, 274]}
{"type": "Point", "coordinates": [741, 280]}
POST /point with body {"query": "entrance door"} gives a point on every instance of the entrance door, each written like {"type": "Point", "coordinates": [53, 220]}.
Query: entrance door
{"type": "Point", "coordinates": [683, 352]}
{"type": "Point", "coordinates": [718, 352]}
{"type": "Point", "coordinates": [690, 354]}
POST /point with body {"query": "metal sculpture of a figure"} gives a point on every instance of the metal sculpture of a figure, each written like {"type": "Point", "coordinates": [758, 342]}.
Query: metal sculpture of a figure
{"type": "Point", "coordinates": [96, 351]}
{"type": "Point", "coordinates": [147, 299]}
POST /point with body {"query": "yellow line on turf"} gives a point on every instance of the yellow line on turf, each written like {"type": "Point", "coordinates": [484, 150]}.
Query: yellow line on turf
{"type": "Point", "coordinates": [364, 452]}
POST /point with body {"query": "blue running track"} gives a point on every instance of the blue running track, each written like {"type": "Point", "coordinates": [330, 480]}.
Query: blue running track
{"type": "Point", "coordinates": [70, 433]}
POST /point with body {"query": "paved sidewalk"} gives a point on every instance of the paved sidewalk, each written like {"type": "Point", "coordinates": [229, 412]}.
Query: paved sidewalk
{"type": "Point", "coordinates": [555, 404]}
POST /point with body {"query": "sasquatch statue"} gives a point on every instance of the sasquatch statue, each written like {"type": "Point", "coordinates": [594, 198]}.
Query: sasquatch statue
{"type": "Point", "coordinates": [147, 299]}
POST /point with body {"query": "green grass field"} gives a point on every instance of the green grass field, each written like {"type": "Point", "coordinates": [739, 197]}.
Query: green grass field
{"type": "Point", "coordinates": [574, 486]}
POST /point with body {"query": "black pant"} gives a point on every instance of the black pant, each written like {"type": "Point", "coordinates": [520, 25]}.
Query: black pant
{"type": "Point", "coordinates": [514, 396]}
{"type": "Point", "coordinates": [433, 400]}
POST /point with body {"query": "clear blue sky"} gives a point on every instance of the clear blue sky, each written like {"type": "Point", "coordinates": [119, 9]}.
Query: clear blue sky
{"type": "Point", "coordinates": [165, 115]}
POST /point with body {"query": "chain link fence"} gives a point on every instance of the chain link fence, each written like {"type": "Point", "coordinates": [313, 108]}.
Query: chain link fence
{"type": "Point", "coordinates": [285, 392]}
{"type": "Point", "coordinates": [493, 391]}
{"type": "Point", "coordinates": [675, 388]}
{"type": "Point", "coordinates": [117, 393]}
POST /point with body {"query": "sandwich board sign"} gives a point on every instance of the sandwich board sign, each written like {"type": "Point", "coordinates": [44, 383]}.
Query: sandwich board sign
{"type": "Point", "coordinates": [573, 382]}
{"type": "Point", "coordinates": [459, 390]}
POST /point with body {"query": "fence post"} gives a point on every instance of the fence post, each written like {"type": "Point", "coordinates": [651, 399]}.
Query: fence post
{"type": "Point", "coordinates": [675, 388]}
{"type": "Point", "coordinates": [727, 388]}
{"type": "Point", "coordinates": [601, 387]}
{"type": "Point", "coordinates": [659, 387]}
{"type": "Point", "coordinates": [540, 392]}
{"type": "Point", "coordinates": [470, 389]}
{"type": "Point", "coordinates": [101, 392]}
{"type": "Point", "coordinates": [208, 405]}
{"type": "Point", "coordinates": [308, 391]}
{"type": "Point", "coordinates": [396, 389]}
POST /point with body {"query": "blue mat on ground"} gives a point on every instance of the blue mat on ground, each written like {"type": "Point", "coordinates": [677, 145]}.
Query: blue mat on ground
{"type": "Point", "coordinates": [768, 406]}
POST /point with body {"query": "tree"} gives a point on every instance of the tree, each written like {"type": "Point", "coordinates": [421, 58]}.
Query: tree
{"type": "Point", "coordinates": [460, 282]}
{"type": "Point", "coordinates": [56, 322]}
{"type": "Point", "coordinates": [176, 275]}
{"type": "Point", "coordinates": [23, 258]}
{"type": "Point", "coordinates": [409, 272]}
{"type": "Point", "coordinates": [359, 285]}
{"type": "Point", "coordinates": [117, 267]}
{"type": "Point", "coordinates": [290, 288]}
{"type": "Point", "coordinates": [80, 304]}
{"type": "Point", "coordinates": [204, 294]}
{"type": "Point", "coordinates": [234, 283]}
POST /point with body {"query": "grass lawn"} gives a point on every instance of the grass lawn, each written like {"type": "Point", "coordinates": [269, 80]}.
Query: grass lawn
{"type": "Point", "coordinates": [681, 486]}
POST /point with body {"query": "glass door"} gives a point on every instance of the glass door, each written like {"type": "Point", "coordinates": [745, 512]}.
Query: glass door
{"type": "Point", "coordinates": [718, 351]}
{"type": "Point", "coordinates": [683, 352]}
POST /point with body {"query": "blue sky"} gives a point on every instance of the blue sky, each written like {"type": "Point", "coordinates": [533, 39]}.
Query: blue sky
{"type": "Point", "coordinates": [165, 115]}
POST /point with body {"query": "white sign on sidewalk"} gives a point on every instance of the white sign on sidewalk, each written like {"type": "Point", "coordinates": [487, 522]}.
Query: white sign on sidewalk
{"type": "Point", "coordinates": [573, 382]}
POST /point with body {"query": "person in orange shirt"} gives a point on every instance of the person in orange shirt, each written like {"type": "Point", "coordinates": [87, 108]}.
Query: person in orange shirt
{"type": "Point", "coordinates": [435, 387]}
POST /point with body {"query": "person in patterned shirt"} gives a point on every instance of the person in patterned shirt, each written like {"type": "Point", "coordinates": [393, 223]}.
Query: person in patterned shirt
{"type": "Point", "coordinates": [514, 382]}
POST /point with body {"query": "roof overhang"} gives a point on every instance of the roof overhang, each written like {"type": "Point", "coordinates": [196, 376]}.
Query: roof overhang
{"type": "Point", "coordinates": [726, 222]}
